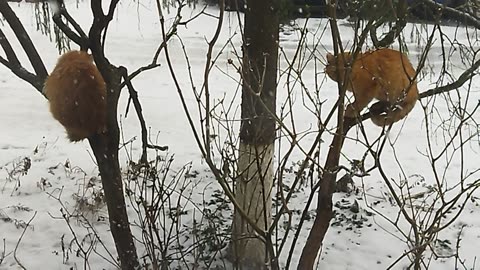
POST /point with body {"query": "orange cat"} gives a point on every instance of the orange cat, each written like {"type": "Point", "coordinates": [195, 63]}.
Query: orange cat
{"type": "Point", "coordinates": [383, 74]}
{"type": "Point", "coordinates": [77, 95]}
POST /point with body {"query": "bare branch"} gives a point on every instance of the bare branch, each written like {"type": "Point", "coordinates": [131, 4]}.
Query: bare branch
{"type": "Point", "coordinates": [99, 24]}
{"type": "Point", "coordinates": [206, 75]}
{"type": "Point", "coordinates": [458, 15]}
{"type": "Point", "coordinates": [20, 239]}
{"type": "Point", "coordinates": [24, 39]}
{"type": "Point", "coordinates": [138, 109]}
{"type": "Point", "coordinates": [400, 14]}
{"type": "Point", "coordinates": [97, 41]}
{"type": "Point", "coordinates": [111, 10]}
{"type": "Point", "coordinates": [109, 17]}
{"type": "Point", "coordinates": [81, 38]}
{"type": "Point", "coordinates": [14, 65]}
{"type": "Point", "coordinates": [7, 47]}
{"type": "Point", "coordinates": [27, 45]}
{"type": "Point", "coordinates": [138, 71]}
{"type": "Point", "coordinates": [464, 77]}
{"type": "Point", "coordinates": [97, 9]}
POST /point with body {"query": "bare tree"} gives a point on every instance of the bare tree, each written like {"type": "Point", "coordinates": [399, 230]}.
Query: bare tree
{"type": "Point", "coordinates": [327, 180]}
{"type": "Point", "coordinates": [105, 145]}
{"type": "Point", "coordinates": [241, 163]}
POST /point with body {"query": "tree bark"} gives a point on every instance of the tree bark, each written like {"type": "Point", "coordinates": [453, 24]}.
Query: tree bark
{"type": "Point", "coordinates": [257, 135]}
{"type": "Point", "coordinates": [105, 149]}
{"type": "Point", "coordinates": [106, 154]}
{"type": "Point", "coordinates": [253, 193]}
{"type": "Point", "coordinates": [105, 146]}
{"type": "Point", "coordinates": [324, 204]}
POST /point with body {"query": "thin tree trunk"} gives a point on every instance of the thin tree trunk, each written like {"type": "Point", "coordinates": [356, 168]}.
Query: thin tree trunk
{"type": "Point", "coordinates": [257, 135]}
{"type": "Point", "coordinates": [106, 154]}
{"type": "Point", "coordinates": [105, 146]}
{"type": "Point", "coordinates": [324, 203]}
{"type": "Point", "coordinates": [105, 149]}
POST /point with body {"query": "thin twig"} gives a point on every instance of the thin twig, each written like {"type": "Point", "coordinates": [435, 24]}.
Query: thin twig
{"type": "Point", "coordinates": [20, 239]}
{"type": "Point", "coordinates": [206, 76]}
{"type": "Point", "coordinates": [138, 108]}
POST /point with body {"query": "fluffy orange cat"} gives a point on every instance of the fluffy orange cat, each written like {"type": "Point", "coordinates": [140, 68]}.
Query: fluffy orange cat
{"type": "Point", "coordinates": [384, 74]}
{"type": "Point", "coordinates": [76, 92]}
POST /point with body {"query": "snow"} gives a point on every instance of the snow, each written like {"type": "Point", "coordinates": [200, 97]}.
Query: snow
{"type": "Point", "coordinates": [62, 176]}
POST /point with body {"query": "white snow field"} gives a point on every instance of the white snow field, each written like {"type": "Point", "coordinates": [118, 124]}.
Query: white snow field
{"type": "Point", "coordinates": [60, 174]}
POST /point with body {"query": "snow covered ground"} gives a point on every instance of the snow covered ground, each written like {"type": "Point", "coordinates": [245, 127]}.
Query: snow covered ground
{"type": "Point", "coordinates": [41, 172]}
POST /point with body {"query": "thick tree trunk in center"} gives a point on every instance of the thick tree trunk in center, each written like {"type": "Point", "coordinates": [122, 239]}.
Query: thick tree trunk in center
{"type": "Point", "coordinates": [257, 135]}
{"type": "Point", "coordinates": [253, 191]}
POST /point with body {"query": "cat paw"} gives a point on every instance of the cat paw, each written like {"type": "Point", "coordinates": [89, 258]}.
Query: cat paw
{"type": "Point", "coordinates": [379, 108]}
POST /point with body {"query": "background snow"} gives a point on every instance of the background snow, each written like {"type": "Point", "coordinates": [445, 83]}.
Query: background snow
{"type": "Point", "coordinates": [28, 130]}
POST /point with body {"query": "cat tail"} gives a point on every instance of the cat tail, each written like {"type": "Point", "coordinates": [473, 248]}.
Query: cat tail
{"type": "Point", "coordinates": [399, 111]}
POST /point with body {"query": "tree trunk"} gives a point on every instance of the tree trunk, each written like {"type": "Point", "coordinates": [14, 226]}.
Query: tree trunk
{"type": "Point", "coordinates": [253, 193]}
{"type": "Point", "coordinates": [324, 204]}
{"type": "Point", "coordinates": [257, 135]}
{"type": "Point", "coordinates": [105, 149]}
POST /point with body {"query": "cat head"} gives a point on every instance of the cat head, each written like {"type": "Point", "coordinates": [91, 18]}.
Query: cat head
{"type": "Point", "coordinates": [335, 71]}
